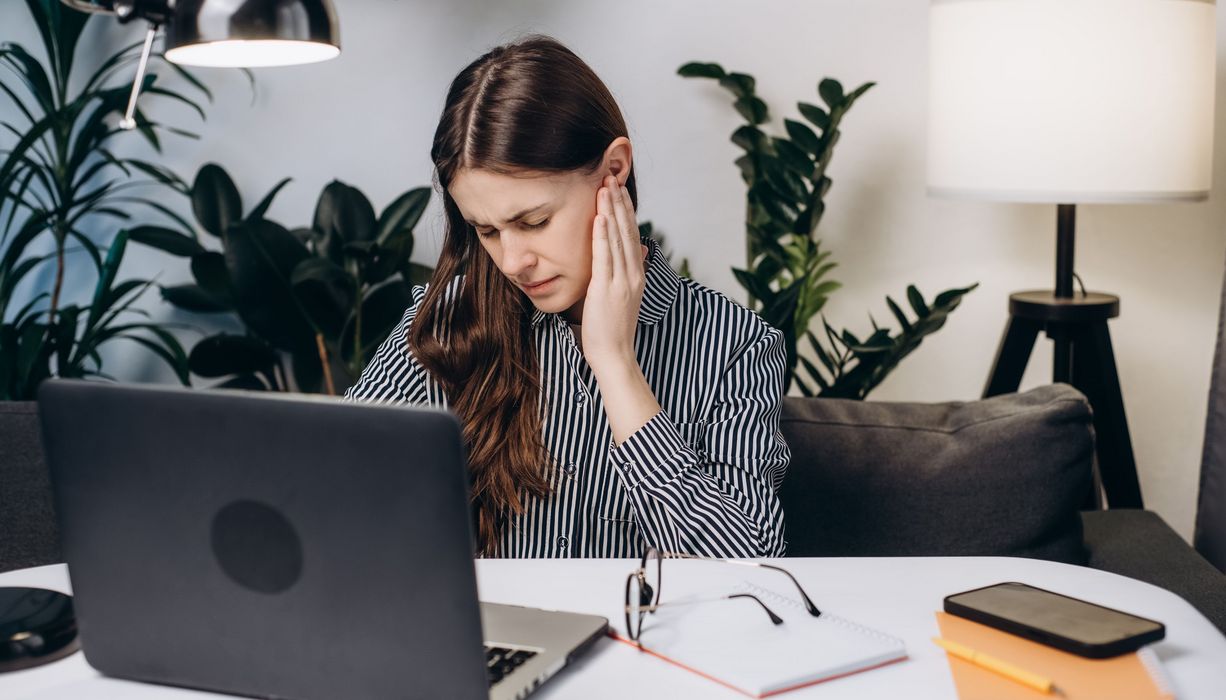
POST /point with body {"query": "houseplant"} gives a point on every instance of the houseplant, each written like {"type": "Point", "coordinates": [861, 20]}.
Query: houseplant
{"type": "Point", "coordinates": [786, 270]}
{"type": "Point", "coordinates": [322, 296]}
{"type": "Point", "coordinates": [60, 183]}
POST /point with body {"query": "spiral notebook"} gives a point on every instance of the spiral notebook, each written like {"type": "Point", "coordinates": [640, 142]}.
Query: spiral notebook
{"type": "Point", "coordinates": [733, 643]}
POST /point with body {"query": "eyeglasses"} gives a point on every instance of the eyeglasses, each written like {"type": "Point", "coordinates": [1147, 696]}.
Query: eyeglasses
{"type": "Point", "coordinates": [643, 589]}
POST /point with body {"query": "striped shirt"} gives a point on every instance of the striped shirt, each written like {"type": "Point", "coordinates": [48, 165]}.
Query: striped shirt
{"type": "Point", "coordinates": [700, 477]}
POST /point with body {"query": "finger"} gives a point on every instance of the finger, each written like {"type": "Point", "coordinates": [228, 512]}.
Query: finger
{"type": "Point", "coordinates": [617, 258]}
{"type": "Point", "coordinates": [628, 228]}
{"type": "Point", "coordinates": [600, 250]}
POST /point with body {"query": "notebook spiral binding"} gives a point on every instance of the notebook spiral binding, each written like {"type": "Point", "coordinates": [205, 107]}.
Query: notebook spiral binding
{"type": "Point", "coordinates": [828, 618]}
{"type": "Point", "coordinates": [1154, 668]}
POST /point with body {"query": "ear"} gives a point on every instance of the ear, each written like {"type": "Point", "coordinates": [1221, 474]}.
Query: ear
{"type": "Point", "coordinates": [618, 158]}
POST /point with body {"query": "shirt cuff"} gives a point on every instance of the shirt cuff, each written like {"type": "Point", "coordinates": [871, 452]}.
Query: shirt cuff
{"type": "Point", "coordinates": [654, 455]}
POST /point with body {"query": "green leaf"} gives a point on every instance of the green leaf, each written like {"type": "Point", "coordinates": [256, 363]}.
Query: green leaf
{"type": "Point", "coordinates": [401, 216]}
{"type": "Point", "coordinates": [831, 92]}
{"type": "Point", "coordinates": [193, 297]}
{"type": "Point", "coordinates": [326, 292]}
{"type": "Point", "coordinates": [753, 109]}
{"type": "Point", "coordinates": [223, 354]}
{"type": "Point", "coordinates": [785, 181]}
{"type": "Point", "coordinates": [898, 314]}
{"type": "Point", "coordinates": [211, 274]}
{"type": "Point", "coordinates": [855, 95]}
{"type": "Point", "coordinates": [344, 215]}
{"type": "Point", "coordinates": [755, 285]}
{"type": "Point", "coordinates": [917, 301]}
{"type": "Point", "coordinates": [215, 200]}
{"type": "Point", "coordinates": [166, 240]}
{"type": "Point", "coordinates": [110, 268]}
{"type": "Point", "coordinates": [246, 382]}
{"type": "Point", "coordinates": [177, 97]}
{"type": "Point", "coordinates": [738, 84]}
{"type": "Point", "coordinates": [950, 298]}
{"type": "Point", "coordinates": [159, 173]}
{"type": "Point", "coordinates": [794, 158]}
{"type": "Point", "coordinates": [261, 257]}
{"type": "Point", "coordinates": [803, 136]}
{"type": "Point", "coordinates": [818, 116]}
{"type": "Point", "coordinates": [750, 138]}
{"type": "Point", "coordinates": [382, 310]}
{"type": "Point", "coordinates": [701, 70]}
{"type": "Point", "coordinates": [188, 76]}
{"type": "Point", "coordinates": [262, 207]}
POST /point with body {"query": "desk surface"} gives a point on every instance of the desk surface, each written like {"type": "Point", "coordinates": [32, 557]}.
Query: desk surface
{"type": "Point", "coordinates": [897, 596]}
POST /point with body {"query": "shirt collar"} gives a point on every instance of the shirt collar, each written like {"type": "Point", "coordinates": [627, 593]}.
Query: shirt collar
{"type": "Point", "coordinates": [659, 291]}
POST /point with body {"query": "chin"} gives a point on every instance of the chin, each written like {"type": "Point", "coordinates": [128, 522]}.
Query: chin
{"type": "Point", "coordinates": [555, 303]}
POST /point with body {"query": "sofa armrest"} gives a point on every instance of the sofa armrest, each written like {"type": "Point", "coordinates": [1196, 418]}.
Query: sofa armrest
{"type": "Point", "coordinates": [1140, 545]}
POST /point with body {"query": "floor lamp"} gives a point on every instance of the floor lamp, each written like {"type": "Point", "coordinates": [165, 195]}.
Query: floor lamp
{"type": "Point", "coordinates": [1071, 102]}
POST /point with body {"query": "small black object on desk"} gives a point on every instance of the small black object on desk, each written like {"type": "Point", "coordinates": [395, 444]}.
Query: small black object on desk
{"type": "Point", "coordinates": [37, 626]}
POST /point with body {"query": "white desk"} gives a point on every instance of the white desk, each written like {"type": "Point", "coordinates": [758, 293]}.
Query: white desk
{"type": "Point", "coordinates": [897, 596]}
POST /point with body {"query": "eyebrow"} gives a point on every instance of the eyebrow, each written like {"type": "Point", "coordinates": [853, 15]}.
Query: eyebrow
{"type": "Point", "coordinates": [517, 216]}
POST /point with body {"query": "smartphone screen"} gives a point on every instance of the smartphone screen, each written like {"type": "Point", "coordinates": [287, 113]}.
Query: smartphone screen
{"type": "Point", "coordinates": [1066, 623]}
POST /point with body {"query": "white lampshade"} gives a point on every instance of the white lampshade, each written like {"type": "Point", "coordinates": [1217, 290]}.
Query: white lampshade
{"type": "Point", "coordinates": [1071, 101]}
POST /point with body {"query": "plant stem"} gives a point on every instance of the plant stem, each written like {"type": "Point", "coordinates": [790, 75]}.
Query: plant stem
{"type": "Point", "coordinates": [323, 361]}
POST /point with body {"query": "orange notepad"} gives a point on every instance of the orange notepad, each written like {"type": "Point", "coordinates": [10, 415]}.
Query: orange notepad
{"type": "Point", "coordinates": [1135, 676]}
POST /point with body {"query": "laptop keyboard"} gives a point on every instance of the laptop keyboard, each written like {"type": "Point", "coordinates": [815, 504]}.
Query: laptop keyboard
{"type": "Point", "coordinates": [499, 661]}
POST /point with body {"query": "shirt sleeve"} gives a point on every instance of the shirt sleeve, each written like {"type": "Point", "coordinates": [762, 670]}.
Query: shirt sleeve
{"type": "Point", "coordinates": [716, 496]}
{"type": "Point", "coordinates": [393, 375]}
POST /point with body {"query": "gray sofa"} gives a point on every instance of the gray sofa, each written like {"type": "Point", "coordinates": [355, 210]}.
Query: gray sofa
{"type": "Point", "coordinates": [1001, 476]}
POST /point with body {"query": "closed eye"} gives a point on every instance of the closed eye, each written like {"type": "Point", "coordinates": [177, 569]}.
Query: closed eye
{"type": "Point", "coordinates": [494, 231]}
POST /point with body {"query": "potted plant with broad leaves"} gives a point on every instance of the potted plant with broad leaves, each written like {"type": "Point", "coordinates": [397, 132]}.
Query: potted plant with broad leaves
{"type": "Point", "coordinates": [786, 272]}
{"type": "Point", "coordinates": [63, 190]}
{"type": "Point", "coordinates": [322, 297]}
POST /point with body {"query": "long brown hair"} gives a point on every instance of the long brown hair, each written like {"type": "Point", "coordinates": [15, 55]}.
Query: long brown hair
{"type": "Point", "coordinates": [531, 106]}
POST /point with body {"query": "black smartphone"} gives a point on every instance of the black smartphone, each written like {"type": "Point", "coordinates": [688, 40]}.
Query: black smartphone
{"type": "Point", "coordinates": [1056, 620]}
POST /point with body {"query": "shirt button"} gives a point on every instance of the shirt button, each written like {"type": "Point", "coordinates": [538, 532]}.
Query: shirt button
{"type": "Point", "coordinates": [569, 468]}
{"type": "Point", "coordinates": [580, 397]}
{"type": "Point", "coordinates": [563, 542]}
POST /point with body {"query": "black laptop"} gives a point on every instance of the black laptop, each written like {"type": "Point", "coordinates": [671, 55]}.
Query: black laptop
{"type": "Point", "coordinates": [279, 546]}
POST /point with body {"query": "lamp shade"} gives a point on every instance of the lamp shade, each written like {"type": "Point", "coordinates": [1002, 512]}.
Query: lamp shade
{"type": "Point", "coordinates": [233, 33]}
{"type": "Point", "coordinates": [1071, 101]}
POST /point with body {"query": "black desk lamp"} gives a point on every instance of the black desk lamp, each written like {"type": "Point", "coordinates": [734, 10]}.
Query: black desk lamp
{"type": "Point", "coordinates": [226, 33]}
{"type": "Point", "coordinates": [1066, 102]}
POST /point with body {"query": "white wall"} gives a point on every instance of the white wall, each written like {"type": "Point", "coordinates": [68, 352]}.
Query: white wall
{"type": "Point", "coordinates": [367, 118]}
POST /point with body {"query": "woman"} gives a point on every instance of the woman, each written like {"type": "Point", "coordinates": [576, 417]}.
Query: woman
{"type": "Point", "coordinates": [606, 403]}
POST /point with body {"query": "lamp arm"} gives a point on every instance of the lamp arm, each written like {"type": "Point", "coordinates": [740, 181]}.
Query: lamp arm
{"type": "Point", "coordinates": [129, 118]}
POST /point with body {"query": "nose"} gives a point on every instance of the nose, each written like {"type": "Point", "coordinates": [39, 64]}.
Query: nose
{"type": "Point", "coordinates": [518, 258]}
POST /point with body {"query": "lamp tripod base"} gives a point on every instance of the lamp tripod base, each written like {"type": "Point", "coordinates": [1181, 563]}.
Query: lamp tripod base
{"type": "Point", "coordinates": [1083, 357]}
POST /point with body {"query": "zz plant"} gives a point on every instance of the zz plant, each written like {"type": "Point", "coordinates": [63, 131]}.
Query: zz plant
{"type": "Point", "coordinates": [787, 272]}
{"type": "Point", "coordinates": [323, 296]}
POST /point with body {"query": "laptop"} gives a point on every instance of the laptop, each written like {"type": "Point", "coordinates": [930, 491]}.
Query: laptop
{"type": "Point", "coordinates": [283, 546]}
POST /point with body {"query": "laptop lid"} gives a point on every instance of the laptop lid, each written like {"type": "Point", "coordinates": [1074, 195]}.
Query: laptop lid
{"type": "Point", "coordinates": [264, 544]}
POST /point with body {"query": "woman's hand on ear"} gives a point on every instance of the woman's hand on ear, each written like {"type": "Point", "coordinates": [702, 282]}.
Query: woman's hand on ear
{"type": "Point", "coordinates": [611, 308]}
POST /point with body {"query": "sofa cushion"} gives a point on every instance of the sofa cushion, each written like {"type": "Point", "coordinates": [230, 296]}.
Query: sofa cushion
{"type": "Point", "coordinates": [1139, 544]}
{"type": "Point", "coordinates": [28, 532]}
{"type": "Point", "coordinates": [1002, 476]}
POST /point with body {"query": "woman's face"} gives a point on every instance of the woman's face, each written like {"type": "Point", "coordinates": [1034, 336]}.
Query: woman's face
{"type": "Point", "coordinates": [537, 228]}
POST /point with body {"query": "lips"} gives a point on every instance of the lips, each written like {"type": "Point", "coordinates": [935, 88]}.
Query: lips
{"type": "Point", "coordinates": [536, 285]}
